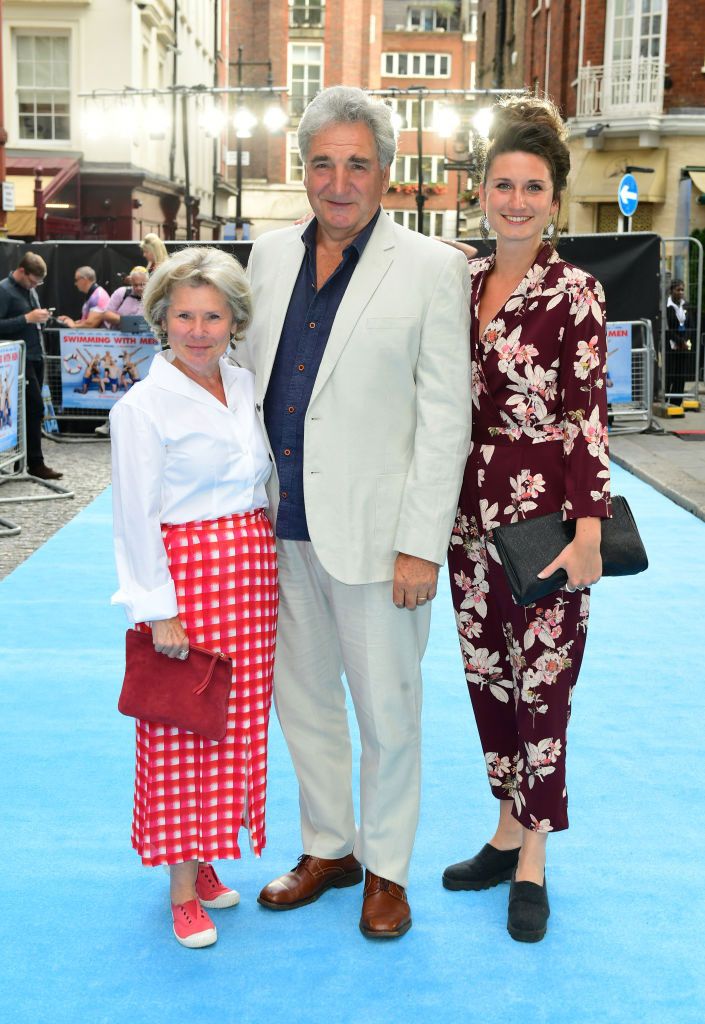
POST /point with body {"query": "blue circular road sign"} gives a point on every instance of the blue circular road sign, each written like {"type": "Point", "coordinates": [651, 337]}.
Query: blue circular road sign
{"type": "Point", "coordinates": [628, 195]}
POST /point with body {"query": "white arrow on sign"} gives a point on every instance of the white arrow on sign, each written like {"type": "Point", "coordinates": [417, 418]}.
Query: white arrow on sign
{"type": "Point", "coordinates": [626, 195]}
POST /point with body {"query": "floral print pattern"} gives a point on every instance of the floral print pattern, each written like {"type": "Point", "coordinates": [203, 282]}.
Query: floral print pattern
{"type": "Point", "coordinates": [539, 446]}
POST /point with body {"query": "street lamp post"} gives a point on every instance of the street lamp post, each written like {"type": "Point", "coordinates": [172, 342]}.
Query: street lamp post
{"type": "Point", "coordinates": [239, 135]}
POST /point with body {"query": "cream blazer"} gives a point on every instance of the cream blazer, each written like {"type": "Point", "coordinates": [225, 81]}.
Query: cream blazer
{"type": "Point", "coordinates": [387, 429]}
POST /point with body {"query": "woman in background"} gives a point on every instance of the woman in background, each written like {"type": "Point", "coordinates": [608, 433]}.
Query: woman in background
{"type": "Point", "coordinates": [154, 252]}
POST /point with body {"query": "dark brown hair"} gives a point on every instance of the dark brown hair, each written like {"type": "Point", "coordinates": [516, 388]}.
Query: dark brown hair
{"type": "Point", "coordinates": [528, 124]}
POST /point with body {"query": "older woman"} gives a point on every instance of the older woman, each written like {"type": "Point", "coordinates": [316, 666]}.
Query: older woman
{"type": "Point", "coordinates": [196, 563]}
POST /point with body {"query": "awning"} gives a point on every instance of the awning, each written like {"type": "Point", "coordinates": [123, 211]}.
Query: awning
{"type": "Point", "coordinates": [698, 178]}
{"type": "Point", "coordinates": [599, 175]}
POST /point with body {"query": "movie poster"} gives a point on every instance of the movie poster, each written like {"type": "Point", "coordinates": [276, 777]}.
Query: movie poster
{"type": "Point", "coordinates": [619, 363]}
{"type": "Point", "coordinates": [9, 378]}
{"type": "Point", "coordinates": [98, 368]}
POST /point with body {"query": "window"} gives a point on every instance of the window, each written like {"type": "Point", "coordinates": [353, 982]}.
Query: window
{"type": "Point", "coordinates": [406, 168]}
{"type": "Point", "coordinates": [408, 111]}
{"type": "Point", "coordinates": [426, 19]}
{"type": "Point", "coordinates": [43, 87]}
{"type": "Point", "coordinates": [423, 65]}
{"type": "Point", "coordinates": [432, 220]}
{"type": "Point", "coordinates": [294, 164]}
{"type": "Point", "coordinates": [306, 13]}
{"type": "Point", "coordinates": [636, 29]}
{"type": "Point", "coordinates": [305, 75]}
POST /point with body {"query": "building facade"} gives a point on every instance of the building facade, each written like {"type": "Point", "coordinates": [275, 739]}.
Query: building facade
{"type": "Point", "coordinates": [379, 45]}
{"type": "Point", "coordinates": [107, 166]}
{"type": "Point", "coordinates": [629, 76]}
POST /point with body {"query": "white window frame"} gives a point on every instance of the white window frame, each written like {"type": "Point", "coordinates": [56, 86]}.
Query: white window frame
{"type": "Point", "coordinates": [40, 32]}
{"type": "Point", "coordinates": [293, 160]}
{"type": "Point", "coordinates": [408, 219]}
{"type": "Point", "coordinates": [405, 108]}
{"type": "Point", "coordinates": [402, 162]}
{"type": "Point", "coordinates": [422, 10]}
{"type": "Point", "coordinates": [308, 64]}
{"type": "Point", "coordinates": [306, 5]}
{"type": "Point", "coordinates": [412, 57]}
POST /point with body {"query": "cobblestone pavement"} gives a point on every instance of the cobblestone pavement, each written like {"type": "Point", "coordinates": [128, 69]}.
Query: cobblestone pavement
{"type": "Point", "coordinates": [86, 469]}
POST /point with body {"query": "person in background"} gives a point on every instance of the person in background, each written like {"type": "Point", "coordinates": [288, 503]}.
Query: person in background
{"type": "Point", "coordinates": [96, 300]}
{"type": "Point", "coordinates": [196, 561]}
{"type": "Point", "coordinates": [127, 300]}
{"type": "Point", "coordinates": [21, 316]}
{"type": "Point", "coordinates": [539, 446]}
{"type": "Point", "coordinates": [154, 251]}
{"type": "Point", "coordinates": [680, 355]}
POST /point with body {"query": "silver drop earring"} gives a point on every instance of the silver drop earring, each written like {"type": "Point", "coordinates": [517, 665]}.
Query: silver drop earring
{"type": "Point", "coordinates": [550, 230]}
{"type": "Point", "coordinates": [484, 226]}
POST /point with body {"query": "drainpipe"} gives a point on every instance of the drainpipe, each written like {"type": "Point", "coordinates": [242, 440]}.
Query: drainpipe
{"type": "Point", "coordinates": [174, 82]}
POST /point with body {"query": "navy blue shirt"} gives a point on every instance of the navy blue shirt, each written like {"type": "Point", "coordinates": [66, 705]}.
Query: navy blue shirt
{"type": "Point", "coordinates": [306, 330]}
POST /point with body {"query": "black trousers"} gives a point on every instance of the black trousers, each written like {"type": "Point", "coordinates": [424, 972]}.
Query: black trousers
{"type": "Point", "coordinates": [34, 375]}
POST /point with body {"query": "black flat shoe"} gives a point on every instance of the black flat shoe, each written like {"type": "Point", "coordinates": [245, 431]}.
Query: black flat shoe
{"type": "Point", "coordinates": [528, 910]}
{"type": "Point", "coordinates": [483, 871]}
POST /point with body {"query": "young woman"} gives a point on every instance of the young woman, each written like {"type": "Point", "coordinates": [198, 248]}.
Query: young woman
{"type": "Point", "coordinates": [539, 446]}
{"type": "Point", "coordinates": [196, 562]}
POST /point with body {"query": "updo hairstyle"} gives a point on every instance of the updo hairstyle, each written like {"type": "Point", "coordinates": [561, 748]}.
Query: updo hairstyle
{"type": "Point", "coordinates": [528, 124]}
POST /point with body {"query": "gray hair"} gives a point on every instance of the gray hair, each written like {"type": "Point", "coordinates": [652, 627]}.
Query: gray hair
{"type": "Point", "coordinates": [342, 104]}
{"type": "Point", "coordinates": [195, 266]}
{"type": "Point", "coordinates": [87, 272]}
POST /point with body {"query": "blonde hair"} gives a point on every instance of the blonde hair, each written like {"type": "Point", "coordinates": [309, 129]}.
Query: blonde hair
{"type": "Point", "coordinates": [196, 266]}
{"type": "Point", "coordinates": [158, 248]}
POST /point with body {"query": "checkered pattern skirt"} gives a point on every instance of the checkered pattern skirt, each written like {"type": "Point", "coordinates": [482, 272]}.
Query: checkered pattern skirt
{"type": "Point", "coordinates": [193, 794]}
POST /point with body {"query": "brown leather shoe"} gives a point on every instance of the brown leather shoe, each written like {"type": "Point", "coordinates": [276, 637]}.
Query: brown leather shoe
{"type": "Point", "coordinates": [309, 880]}
{"type": "Point", "coordinates": [385, 911]}
{"type": "Point", "coordinates": [43, 472]}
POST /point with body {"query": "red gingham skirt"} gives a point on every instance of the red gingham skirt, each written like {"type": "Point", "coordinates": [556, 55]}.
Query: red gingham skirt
{"type": "Point", "coordinates": [193, 794]}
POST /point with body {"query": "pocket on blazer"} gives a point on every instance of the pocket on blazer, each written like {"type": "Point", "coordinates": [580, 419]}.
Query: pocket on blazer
{"type": "Point", "coordinates": [389, 323]}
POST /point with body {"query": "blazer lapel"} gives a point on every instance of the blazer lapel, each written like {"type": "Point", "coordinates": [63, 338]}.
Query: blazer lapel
{"type": "Point", "coordinates": [292, 252]}
{"type": "Point", "coordinates": [369, 273]}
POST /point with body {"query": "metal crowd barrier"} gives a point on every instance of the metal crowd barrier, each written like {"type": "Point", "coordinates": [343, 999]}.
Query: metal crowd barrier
{"type": "Point", "coordinates": [634, 416]}
{"type": "Point", "coordinates": [66, 419]}
{"type": "Point", "coordinates": [13, 461]}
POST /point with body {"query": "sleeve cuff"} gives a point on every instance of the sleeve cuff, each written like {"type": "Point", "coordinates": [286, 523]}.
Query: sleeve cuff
{"type": "Point", "coordinates": [148, 605]}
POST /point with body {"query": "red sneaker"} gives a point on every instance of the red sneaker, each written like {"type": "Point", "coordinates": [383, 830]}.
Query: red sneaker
{"type": "Point", "coordinates": [192, 925]}
{"type": "Point", "coordinates": [211, 891]}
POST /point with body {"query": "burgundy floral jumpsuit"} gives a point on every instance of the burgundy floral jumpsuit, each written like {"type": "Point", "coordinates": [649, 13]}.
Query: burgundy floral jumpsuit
{"type": "Point", "coordinates": [539, 446]}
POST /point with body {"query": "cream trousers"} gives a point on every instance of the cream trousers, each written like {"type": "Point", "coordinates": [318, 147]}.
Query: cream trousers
{"type": "Point", "coordinates": [327, 628]}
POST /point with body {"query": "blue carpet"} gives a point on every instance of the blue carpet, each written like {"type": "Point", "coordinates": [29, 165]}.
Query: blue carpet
{"type": "Point", "coordinates": [86, 936]}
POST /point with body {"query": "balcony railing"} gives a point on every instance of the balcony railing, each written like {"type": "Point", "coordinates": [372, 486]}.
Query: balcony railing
{"type": "Point", "coordinates": [307, 16]}
{"type": "Point", "coordinates": [622, 88]}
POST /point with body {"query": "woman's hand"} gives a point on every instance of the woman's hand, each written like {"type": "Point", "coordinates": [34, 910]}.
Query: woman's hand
{"type": "Point", "coordinates": [581, 558]}
{"type": "Point", "coordinates": [169, 637]}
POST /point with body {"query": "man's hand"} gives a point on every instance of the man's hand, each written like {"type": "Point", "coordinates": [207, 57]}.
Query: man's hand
{"type": "Point", "coordinates": [415, 581]}
{"type": "Point", "coordinates": [37, 316]}
{"type": "Point", "coordinates": [66, 321]}
{"type": "Point", "coordinates": [169, 637]}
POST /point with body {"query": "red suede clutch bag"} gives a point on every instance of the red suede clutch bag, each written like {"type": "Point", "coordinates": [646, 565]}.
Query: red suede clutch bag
{"type": "Point", "coordinates": [192, 694]}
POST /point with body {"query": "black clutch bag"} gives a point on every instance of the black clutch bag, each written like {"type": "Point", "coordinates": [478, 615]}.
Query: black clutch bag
{"type": "Point", "coordinates": [527, 547]}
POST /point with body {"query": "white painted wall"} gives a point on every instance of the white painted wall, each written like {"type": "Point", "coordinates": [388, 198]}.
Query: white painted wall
{"type": "Point", "coordinates": [115, 44]}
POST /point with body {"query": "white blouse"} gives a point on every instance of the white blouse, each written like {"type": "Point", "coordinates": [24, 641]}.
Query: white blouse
{"type": "Point", "coordinates": [178, 455]}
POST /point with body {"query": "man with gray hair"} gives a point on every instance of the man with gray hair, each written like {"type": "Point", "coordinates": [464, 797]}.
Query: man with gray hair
{"type": "Point", "coordinates": [97, 300]}
{"type": "Point", "coordinates": [361, 349]}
